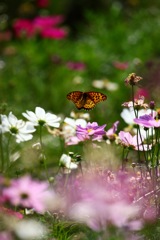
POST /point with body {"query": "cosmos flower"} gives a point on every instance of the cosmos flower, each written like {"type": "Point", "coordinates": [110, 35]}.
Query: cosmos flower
{"type": "Point", "coordinates": [53, 33]}
{"type": "Point", "coordinates": [23, 28]}
{"type": "Point", "coordinates": [91, 131]}
{"type": "Point", "coordinates": [98, 203]}
{"type": "Point", "coordinates": [133, 142]}
{"type": "Point", "coordinates": [67, 162]}
{"type": "Point", "coordinates": [147, 121]}
{"type": "Point", "coordinates": [41, 118]}
{"type": "Point", "coordinates": [18, 128]}
{"type": "Point", "coordinates": [28, 193]}
{"type": "Point", "coordinates": [111, 132]}
{"type": "Point", "coordinates": [132, 79]}
{"type": "Point", "coordinates": [138, 103]}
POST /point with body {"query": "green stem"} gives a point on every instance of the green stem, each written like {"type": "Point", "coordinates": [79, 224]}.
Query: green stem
{"type": "Point", "coordinates": [43, 153]}
{"type": "Point", "coordinates": [136, 114]}
{"type": "Point", "coordinates": [2, 153]}
{"type": "Point", "coordinates": [8, 152]}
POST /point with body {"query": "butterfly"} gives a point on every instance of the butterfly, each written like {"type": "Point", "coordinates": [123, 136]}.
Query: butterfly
{"type": "Point", "coordinates": [86, 100]}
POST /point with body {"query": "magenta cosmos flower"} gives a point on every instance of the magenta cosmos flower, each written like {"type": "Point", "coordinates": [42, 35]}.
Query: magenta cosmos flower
{"type": "Point", "coordinates": [134, 142]}
{"type": "Point", "coordinates": [23, 28]}
{"type": "Point", "coordinates": [54, 33]}
{"type": "Point", "coordinates": [147, 121]}
{"type": "Point", "coordinates": [27, 192]}
{"type": "Point", "coordinates": [43, 22]}
{"type": "Point", "coordinates": [91, 131]}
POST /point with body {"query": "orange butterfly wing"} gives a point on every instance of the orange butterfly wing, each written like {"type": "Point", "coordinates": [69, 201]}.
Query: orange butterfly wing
{"type": "Point", "coordinates": [86, 100]}
{"type": "Point", "coordinates": [77, 98]}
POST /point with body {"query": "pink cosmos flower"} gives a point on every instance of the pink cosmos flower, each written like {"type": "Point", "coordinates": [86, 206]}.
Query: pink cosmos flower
{"type": "Point", "coordinates": [133, 142]}
{"type": "Point", "coordinates": [147, 121]}
{"type": "Point", "coordinates": [91, 131]}
{"type": "Point", "coordinates": [79, 66]}
{"type": "Point", "coordinates": [54, 33]}
{"type": "Point", "coordinates": [111, 132]}
{"type": "Point", "coordinates": [27, 192]}
{"type": "Point", "coordinates": [73, 140]}
{"type": "Point", "coordinates": [96, 202]}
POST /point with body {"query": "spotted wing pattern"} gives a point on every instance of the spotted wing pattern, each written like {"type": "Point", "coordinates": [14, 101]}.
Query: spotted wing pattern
{"type": "Point", "coordinates": [86, 100]}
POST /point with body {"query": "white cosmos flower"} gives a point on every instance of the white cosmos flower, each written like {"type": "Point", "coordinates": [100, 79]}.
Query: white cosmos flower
{"type": "Point", "coordinates": [40, 117]}
{"type": "Point", "coordinates": [66, 161]}
{"type": "Point", "coordinates": [20, 129]}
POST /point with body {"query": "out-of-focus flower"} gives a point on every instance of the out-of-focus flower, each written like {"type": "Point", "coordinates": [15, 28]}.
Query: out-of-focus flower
{"type": "Point", "coordinates": [67, 162]}
{"type": "Point", "coordinates": [106, 84]}
{"type": "Point", "coordinates": [43, 3]}
{"type": "Point", "coordinates": [120, 65]}
{"type": "Point", "coordinates": [5, 36]}
{"type": "Point", "coordinates": [28, 193]}
{"type": "Point", "coordinates": [41, 118]}
{"type": "Point", "coordinates": [11, 213]}
{"type": "Point", "coordinates": [53, 33]}
{"type": "Point", "coordinates": [45, 26]}
{"type": "Point", "coordinates": [2, 64]}
{"type": "Point", "coordinates": [142, 92]}
{"type": "Point", "coordinates": [6, 236]}
{"type": "Point", "coordinates": [29, 229]}
{"type": "Point", "coordinates": [82, 115]}
{"type": "Point", "coordinates": [133, 142]}
{"type": "Point", "coordinates": [43, 22]}
{"type": "Point", "coordinates": [78, 66]}
{"type": "Point", "coordinates": [138, 104]}
{"type": "Point", "coordinates": [147, 121]}
{"type": "Point", "coordinates": [132, 79]}
{"type": "Point", "coordinates": [98, 203]}
{"type": "Point", "coordinates": [91, 131]}
{"type": "Point", "coordinates": [78, 80]}
{"type": "Point", "coordinates": [18, 128]}
{"type": "Point", "coordinates": [23, 28]}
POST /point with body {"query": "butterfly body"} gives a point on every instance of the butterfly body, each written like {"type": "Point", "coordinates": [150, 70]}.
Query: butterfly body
{"type": "Point", "coordinates": [86, 100]}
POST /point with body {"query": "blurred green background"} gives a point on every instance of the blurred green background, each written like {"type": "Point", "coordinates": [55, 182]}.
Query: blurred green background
{"type": "Point", "coordinates": [106, 40]}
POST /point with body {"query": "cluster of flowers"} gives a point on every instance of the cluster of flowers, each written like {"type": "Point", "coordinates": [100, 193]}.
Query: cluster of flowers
{"type": "Point", "coordinates": [44, 26]}
{"type": "Point", "coordinates": [22, 130]}
{"type": "Point", "coordinates": [94, 196]}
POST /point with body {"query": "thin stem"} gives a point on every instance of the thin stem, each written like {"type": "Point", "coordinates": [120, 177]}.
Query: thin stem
{"type": "Point", "coordinates": [42, 152]}
{"type": "Point", "coordinates": [2, 153]}
{"type": "Point", "coordinates": [132, 89]}
{"type": "Point", "coordinates": [1, 147]}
